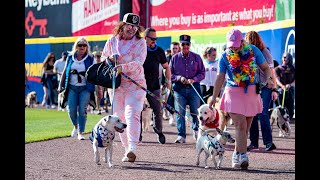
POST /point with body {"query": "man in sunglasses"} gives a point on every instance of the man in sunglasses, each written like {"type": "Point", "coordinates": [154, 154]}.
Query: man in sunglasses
{"type": "Point", "coordinates": [155, 57]}
{"type": "Point", "coordinates": [187, 71]}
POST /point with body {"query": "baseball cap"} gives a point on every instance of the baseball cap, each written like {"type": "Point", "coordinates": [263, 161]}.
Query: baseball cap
{"type": "Point", "coordinates": [132, 19]}
{"type": "Point", "coordinates": [234, 37]}
{"type": "Point", "coordinates": [184, 38]}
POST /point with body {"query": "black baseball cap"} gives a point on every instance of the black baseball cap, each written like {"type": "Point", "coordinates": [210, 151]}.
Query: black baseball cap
{"type": "Point", "coordinates": [132, 19]}
{"type": "Point", "coordinates": [184, 38]}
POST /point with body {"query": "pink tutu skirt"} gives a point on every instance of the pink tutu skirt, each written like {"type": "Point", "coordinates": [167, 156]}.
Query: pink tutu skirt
{"type": "Point", "coordinates": [234, 100]}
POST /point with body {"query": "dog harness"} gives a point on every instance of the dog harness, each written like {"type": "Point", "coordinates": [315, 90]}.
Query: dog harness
{"type": "Point", "coordinates": [219, 148]}
{"type": "Point", "coordinates": [103, 136]}
{"type": "Point", "coordinates": [214, 123]}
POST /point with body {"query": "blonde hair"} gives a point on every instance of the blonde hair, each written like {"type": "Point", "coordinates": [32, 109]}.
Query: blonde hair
{"type": "Point", "coordinates": [83, 40]}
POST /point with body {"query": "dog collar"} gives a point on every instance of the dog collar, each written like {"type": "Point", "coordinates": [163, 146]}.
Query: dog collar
{"type": "Point", "coordinates": [215, 122]}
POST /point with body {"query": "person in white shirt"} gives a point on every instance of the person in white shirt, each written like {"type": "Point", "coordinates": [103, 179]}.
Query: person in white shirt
{"type": "Point", "coordinates": [59, 65]}
{"type": "Point", "coordinates": [211, 69]}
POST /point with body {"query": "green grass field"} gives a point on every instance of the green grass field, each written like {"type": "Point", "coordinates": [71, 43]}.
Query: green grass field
{"type": "Point", "coordinates": [45, 124]}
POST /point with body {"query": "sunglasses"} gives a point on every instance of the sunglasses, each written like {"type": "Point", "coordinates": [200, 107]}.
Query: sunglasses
{"type": "Point", "coordinates": [98, 56]}
{"type": "Point", "coordinates": [82, 45]}
{"type": "Point", "coordinates": [183, 44]}
{"type": "Point", "coordinates": [153, 39]}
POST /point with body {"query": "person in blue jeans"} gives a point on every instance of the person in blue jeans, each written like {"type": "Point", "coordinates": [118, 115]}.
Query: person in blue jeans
{"type": "Point", "coordinates": [73, 79]}
{"type": "Point", "coordinates": [187, 70]}
{"type": "Point", "coordinates": [268, 95]}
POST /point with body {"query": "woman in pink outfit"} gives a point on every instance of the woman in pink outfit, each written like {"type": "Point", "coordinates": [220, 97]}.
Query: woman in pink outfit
{"type": "Point", "coordinates": [241, 98]}
{"type": "Point", "coordinates": [131, 51]}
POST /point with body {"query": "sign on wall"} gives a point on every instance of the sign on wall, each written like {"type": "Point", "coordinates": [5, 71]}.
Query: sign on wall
{"type": "Point", "coordinates": [94, 17]}
{"type": "Point", "coordinates": [45, 18]}
{"type": "Point", "coordinates": [203, 14]}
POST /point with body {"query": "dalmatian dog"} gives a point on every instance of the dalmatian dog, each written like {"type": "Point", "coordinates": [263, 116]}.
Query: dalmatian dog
{"type": "Point", "coordinates": [102, 136]}
{"type": "Point", "coordinates": [281, 116]}
{"type": "Point", "coordinates": [214, 146]}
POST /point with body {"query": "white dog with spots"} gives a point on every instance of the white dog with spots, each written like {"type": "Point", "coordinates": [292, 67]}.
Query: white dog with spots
{"type": "Point", "coordinates": [213, 146]}
{"type": "Point", "coordinates": [102, 136]}
{"type": "Point", "coordinates": [280, 115]}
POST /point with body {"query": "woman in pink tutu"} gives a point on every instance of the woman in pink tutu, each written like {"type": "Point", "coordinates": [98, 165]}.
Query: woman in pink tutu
{"type": "Point", "coordinates": [241, 98]}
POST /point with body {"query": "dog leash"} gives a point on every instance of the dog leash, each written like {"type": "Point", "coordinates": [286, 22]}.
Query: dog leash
{"type": "Point", "coordinates": [156, 97]}
{"type": "Point", "coordinates": [151, 94]}
{"type": "Point", "coordinates": [198, 94]}
{"type": "Point", "coordinates": [114, 82]}
{"type": "Point", "coordinates": [284, 95]}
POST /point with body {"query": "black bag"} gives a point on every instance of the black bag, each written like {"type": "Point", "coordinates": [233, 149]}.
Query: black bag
{"type": "Point", "coordinates": [101, 74]}
{"type": "Point", "coordinates": [170, 101]}
{"type": "Point", "coordinates": [43, 79]}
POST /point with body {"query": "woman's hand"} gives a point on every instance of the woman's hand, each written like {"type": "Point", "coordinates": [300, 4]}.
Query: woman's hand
{"type": "Point", "coordinates": [212, 102]}
{"type": "Point", "coordinates": [118, 68]}
{"type": "Point", "coordinates": [112, 58]}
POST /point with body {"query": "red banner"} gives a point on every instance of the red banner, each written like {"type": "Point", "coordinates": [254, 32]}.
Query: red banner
{"type": "Point", "coordinates": [202, 14]}
{"type": "Point", "coordinates": [94, 17]}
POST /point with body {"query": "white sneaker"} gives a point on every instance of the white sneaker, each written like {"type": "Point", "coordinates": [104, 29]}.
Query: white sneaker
{"type": "Point", "coordinates": [180, 139]}
{"type": "Point", "coordinates": [53, 106]}
{"type": "Point", "coordinates": [74, 132]}
{"type": "Point", "coordinates": [244, 161]}
{"type": "Point", "coordinates": [235, 160]}
{"type": "Point", "coordinates": [80, 137]}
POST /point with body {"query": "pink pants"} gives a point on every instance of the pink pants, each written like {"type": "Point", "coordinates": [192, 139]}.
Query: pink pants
{"type": "Point", "coordinates": [128, 107]}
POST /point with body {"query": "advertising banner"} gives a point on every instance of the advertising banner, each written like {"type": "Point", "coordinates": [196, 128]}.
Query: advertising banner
{"type": "Point", "coordinates": [45, 18]}
{"type": "Point", "coordinates": [202, 14]}
{"type": "Point", "coordinates": [94, 17]}
{"type": "Point", "coordinates": [278, 36]}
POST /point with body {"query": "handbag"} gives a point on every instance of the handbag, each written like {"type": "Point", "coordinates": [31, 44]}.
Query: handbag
{"type": "Point", "coordinates": [102, 74]}
{"type": "Point", "coordinates": [64, 99]}
{"type": "Point", "coordinates": [43, 79]}
{"type": "Point", "coordinates": [170, 101]}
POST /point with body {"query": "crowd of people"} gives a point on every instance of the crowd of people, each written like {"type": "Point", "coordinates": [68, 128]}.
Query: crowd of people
{"type": "Point", "coordinates": [244, 77]}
